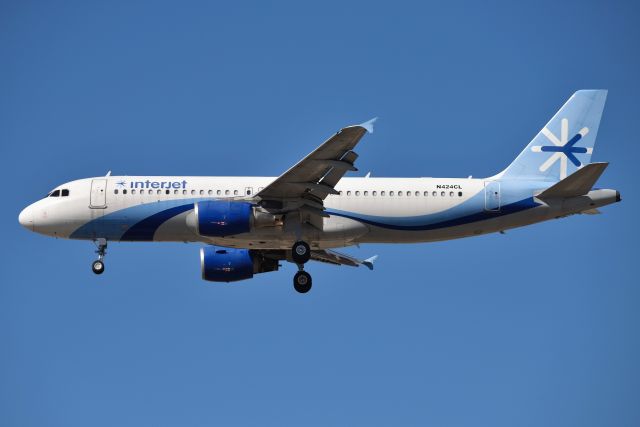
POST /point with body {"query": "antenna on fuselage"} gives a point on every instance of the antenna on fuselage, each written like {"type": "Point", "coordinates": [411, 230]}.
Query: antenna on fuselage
{"type": "Point", "coordinates": [108, 174]}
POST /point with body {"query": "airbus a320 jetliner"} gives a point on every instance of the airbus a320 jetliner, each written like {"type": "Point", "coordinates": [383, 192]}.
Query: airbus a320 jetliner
{"type": "Point", "coordinates": [249, 224]}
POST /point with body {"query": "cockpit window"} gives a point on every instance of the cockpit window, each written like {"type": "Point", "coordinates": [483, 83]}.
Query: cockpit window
{"type": "Point", "coordinates": [65, 192]}
{"type": "Point", "coordinates": [55, 194]}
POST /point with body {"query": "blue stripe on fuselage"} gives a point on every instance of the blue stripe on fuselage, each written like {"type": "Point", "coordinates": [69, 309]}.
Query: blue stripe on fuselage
{"type": "Point", "coordinates": [432, 222]}
{"type": "Point", "coordinates": [145, 229]}
{"type": "Point", "coordinates": [137, 223]}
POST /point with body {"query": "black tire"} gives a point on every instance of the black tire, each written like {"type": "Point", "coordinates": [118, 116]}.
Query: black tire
{"type": "Point", "coordinates": [97, 267]}
{"type": "Point", "coordinates": [300, 252]}
{"type": "Point", "coordinates": [302, 282]}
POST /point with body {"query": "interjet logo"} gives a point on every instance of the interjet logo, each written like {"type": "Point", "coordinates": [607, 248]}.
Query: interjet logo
{"type": "Point", "coordinates": [153, 184]}
{"type": "Point", "coordinates": [563, 148]}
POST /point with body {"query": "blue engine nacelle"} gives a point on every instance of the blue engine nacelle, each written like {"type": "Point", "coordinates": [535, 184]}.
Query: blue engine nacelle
{"type": "Point", "coordinates": [231, 265]}
{"type": "Point", "coordinates": [220, 218]}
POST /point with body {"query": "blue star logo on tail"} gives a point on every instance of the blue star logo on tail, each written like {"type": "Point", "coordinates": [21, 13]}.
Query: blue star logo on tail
{"type": "Point", "coordinates": [563, 148]}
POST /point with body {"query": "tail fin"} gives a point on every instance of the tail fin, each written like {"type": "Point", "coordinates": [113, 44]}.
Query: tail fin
{"type": "Point", "coordinates": [565, 144]}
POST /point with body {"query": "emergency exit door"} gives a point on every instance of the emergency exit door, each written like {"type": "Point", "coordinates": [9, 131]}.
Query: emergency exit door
{"type": "Point", "coordinates": [98, 194]}
{"type": "Point", "coordinates": [492, 196]}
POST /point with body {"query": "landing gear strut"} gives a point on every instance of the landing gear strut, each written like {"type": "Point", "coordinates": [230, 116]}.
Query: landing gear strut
{"type": "Point", "coordinates": [98, 265]}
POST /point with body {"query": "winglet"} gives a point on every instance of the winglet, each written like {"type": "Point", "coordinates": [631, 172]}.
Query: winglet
{"type": "Point", "coordinates": [368, 125]}
{"type": "Point", "coordinates": [369, 262]}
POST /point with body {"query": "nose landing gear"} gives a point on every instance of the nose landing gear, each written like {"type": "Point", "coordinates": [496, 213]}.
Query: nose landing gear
{"type": "Point", "coordinates": [98, 265]}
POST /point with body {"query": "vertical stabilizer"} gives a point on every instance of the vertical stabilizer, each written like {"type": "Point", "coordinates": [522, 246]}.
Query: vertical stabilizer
{"type": "Point", "coordinates": [565, 144]}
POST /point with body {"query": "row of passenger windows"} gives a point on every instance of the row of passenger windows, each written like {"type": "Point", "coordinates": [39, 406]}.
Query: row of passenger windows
{"type": "Point", "coordinates": [348, 193]}
{"type": "Point", "coordinates": [401, 193]}
{"type": "Point", "coordinates": [59, 193]}
{"type": "Point", "coordinates": [184, 192]}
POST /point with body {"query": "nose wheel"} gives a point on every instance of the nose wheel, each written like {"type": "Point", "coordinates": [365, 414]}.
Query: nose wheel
{"type": "Point", "coordinates": [98, 265]}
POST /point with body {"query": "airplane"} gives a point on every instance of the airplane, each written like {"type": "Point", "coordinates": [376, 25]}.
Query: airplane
{"type": "Point", "coordinates": [249, 224]}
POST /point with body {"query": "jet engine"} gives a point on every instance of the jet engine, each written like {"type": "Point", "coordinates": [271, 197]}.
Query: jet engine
{"type": "Point", "coordinates": [220, 218]}
{"type": "Point", "coordinates": [231, 265]}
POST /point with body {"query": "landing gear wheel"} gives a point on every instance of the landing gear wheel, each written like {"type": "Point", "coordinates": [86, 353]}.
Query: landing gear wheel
{"type": "Point", "coordinates": [300, 252]}
{"type": "Point", "coordinates": [97, 266]}
{"type": "Point", "coordinates": [302, 282]}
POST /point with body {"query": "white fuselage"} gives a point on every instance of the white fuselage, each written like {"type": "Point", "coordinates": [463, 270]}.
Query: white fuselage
{"type": "Point", "coordinates": [367, 210]}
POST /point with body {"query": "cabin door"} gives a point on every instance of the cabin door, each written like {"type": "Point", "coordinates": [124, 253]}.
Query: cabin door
{"type": "Point", "coordinates": [98, 194]}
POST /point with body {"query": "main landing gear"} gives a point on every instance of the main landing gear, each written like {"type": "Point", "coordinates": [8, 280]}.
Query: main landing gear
{"type": "Point", "coordinates": [302, 282]}
{"type": "Point", "coordinates": [98, 265]}
{"type": "Point", "coordinates": [301, 253]}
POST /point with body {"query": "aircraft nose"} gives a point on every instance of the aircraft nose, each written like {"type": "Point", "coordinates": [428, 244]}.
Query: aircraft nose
{"type": "Point", "coordinates": [26, 218]}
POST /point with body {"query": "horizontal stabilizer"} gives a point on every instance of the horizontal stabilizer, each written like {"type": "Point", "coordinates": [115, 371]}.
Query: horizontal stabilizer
{"type": "Point", "coordinates": [576, 184]}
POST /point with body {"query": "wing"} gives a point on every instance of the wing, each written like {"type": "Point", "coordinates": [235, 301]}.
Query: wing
{"type": "Point", "coordinates": [336, 258]}
{"type": "Point", "coordinates": [313, 178]}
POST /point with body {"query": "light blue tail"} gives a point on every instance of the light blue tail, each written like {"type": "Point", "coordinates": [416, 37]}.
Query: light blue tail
{"type": "Point", "coordinates": [565, 144]}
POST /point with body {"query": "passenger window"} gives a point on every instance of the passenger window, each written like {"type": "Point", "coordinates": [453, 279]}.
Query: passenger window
{"type": "Point", "coordinates": [382, 193]}
{"type": "Point", "coordinates": [400, 193]}
{"type": "Point", "coordinates": [434, 194]}
{"type": "Point", "coordinates": [124, 191]}
{"type": "Point", "coordinates": [226, 192]}
{"type": "Point", "coordinates": [248, 192]}
{"type": "Point", "coordinates": [408, 193]}
{"type": "Point", "coordinates": [167, 192]}
{"type": "Point", "coordinates": [159, 192]}
{"type": "Point", "coordinates": [235, 192]}
{"type": "Point", "coordinates": [219, 192]}
{"type": "Point", "coordinates": [450, 193]}
{"type": "Point", "coordinates": [366, 193]}
{"type": "Point", "coordinates": [115, 191]}
{"type": "Point", "coordinates": [426, 194]}
{"type": "Point", "coordinates": [175, 191]}
{"type": "Point", "coordinates": [348, 193]}
{"type": "Point", "coordinates": [357, 193]}
{"type": "Point", "coordinates": [193, 192]}
{"type": "Point", "coordinates": [65, 192]}
{"type": "Point", "coordinates": [133, 191]}
{"type": "Point", "coordinates": [374, 193]}
{"type": "Point", "coordinates": [459, 193]}
{"type": "Point", "coordinates": [55, 194]}
{"type": "Point", "coordinates": [184, 192]}
{"type": "Point", "coordinates": [210, 192]}
{"type": "Point", "coordinates": [391, 193]}
{"type": "Point", "coordinates": [417, 193]}
{"type": "Point", "coordinates": [442, 193]}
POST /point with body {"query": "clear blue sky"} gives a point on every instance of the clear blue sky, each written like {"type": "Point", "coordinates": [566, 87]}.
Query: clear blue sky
{"type": "Point", "coordinates": [535, 327]}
